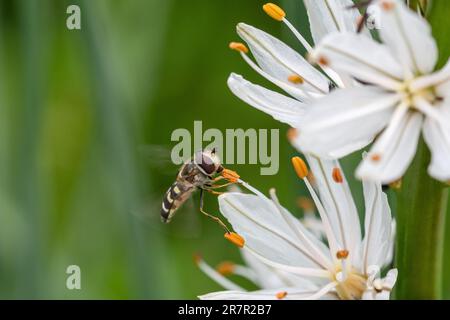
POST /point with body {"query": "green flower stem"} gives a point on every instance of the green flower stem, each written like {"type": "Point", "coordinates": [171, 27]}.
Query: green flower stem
{"type": "Point", "coordinates": [422, 203]}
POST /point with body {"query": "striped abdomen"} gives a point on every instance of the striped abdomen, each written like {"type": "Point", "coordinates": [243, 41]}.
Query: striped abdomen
{"type": "Point", "coordinates": [173, 199]}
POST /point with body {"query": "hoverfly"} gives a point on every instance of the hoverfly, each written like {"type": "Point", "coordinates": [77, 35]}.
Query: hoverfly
{"type": "Point", "coordinates": [196, 173]}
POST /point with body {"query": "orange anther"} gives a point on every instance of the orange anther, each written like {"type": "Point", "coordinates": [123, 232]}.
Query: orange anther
{"type": "Point", "coordinates": [235, 239]}
{"type": "Point", "coordinates": [238, 46]}
{"type": "Point", "coordinates": [274, 11]}
{"type": "Point", "coordinates": [300, 167]}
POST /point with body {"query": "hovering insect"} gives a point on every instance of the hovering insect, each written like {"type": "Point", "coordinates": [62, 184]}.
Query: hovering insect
{"type": "Point", "coordinates": [196, 173]}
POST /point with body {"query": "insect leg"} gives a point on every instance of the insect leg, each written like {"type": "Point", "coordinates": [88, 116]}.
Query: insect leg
{"type": "Point", "coordinates": [218, 178]}
{"type": "Point", "coordinates": [222, 185]}
{"type": "Point", "coordinates": [217, 193]}
{"type": "Point", "coordinates": [209, 215]}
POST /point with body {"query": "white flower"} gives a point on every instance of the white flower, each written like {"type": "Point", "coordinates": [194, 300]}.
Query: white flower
{"type": "Point", "coordinates": [401, 98]}
{"type": "Point", "coordinates": [346, 266]}
{"type": "Point", "coordinates": [286, 68]}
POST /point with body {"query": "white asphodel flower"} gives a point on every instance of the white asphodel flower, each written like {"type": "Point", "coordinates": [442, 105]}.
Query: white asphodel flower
{"type": "Point", "coordinates": [401, 97]}
{"type": "Point", "coordinates": [286, 68]}
{"type": "Point", "coordinates": [296, 263]}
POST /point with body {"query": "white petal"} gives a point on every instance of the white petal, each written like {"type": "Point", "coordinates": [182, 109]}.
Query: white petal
{"type": "Point", "coordinates": [280, 107]}
{"type": "Point", "coordinates": [377, 238]}
{"type": "Point", "coordinates": [217, 277]}
{"type": "Point", "coordinates": [361, 57]}
{"type": "Point", "coordinates": [439, 79]}
{"type": "Point", "coordinates": [368, 295]}
{"type": "Point", "coordinates": [270, 278]}
{"type": "Point", "coordinates": [390, 279]}
{"type": "Point", "coordinates": [345, 120]}
{"type": "Point", "coordinates": [327, 16]}
{"type": "Point", "coordinates": [390, 253]}
{"type": "Point", "coordinates": [281, 61]}
{"type": "Point", "coordinates": [439, 144]}
{"type": "Point", "coordinates": [292, 294]}
{"type": "Point", "coordinates": [338, 202]}
{"type": "Point", "coordinates": [265, 231]}
{"type": "Point", "coordinates": [408, 36]}
{"type": "Point", "coordinates": [395, 158]}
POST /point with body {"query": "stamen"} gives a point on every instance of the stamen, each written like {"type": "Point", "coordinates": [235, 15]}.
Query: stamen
{"type": "Point", "coordinates": [300, 167]}
{"type": "Point", "coordinates": [230, 175]}
{"type": "Point", "coordinates": [274, 11]}
{"type": "Point", "coordinates": [214, 275]}
{"type": "Point", "coordinates": [337, 175]}
{"type": "Point", "coordinates": [387, 5]}
{"type": "Point", "coordinates": [323, 61]}
{"type": "Point", "coordinates": [305, 204]}
{"type": "Point", "coordinates": [235, 239]}
{"type": "Point", "coordinates": [296, 79]}
{"type": "Point", "coordinates": [226, 268]}
{"type": "Point", "coordinates": [342, 254]}
{"type": "Point", "coordinates": [396, 185]}
{"type": "Point", "coordinates": [281, 295]}
{"type": "Point", "coordinates": [298, 35]}
{"type": "Point", "coordinates": [292, 134]}
{"type": "Point", "coordinates": [238, 46]}
{"type": "Point", "coordinates": [296, 91]}
{"type": "Point", "coordinates": [197, 258]}
{"type": "Point", "coordinates": [375, 157]}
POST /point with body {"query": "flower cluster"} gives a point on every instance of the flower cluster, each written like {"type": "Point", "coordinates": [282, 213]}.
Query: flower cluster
{"type": "Point", "coordinates": [351, 91]}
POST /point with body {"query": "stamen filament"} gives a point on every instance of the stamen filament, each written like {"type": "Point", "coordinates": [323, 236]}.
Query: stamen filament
{"type": "Point", "coordinates": [298, 35]}
{"type": "Point", "coordinates": [216, 276]}
{"type": "Point", "coordinates": [295, 90]}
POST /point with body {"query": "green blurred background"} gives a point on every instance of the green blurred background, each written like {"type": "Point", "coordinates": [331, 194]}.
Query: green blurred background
{"type": "Point", "coordinates": [85, 125]}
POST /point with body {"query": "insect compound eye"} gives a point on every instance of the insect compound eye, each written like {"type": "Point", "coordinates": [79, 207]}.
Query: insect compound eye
{"type": "Point", "coordinates": [207, 164]}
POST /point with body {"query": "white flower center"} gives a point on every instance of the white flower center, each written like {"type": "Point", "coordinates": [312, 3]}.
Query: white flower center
{"type": "Point", "coordinates": [351, 284]}
{"type": "Point", "coordinates": [410, 95]}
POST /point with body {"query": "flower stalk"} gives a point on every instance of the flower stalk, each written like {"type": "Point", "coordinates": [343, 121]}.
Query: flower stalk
{"type": "Point", "coordinates": [422, 203]}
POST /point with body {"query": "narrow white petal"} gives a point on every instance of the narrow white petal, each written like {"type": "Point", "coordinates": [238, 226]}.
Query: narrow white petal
{"type": "Point", "coordinates": [436, 79]}
{"type": "Point", "coordinates": [361, 57]}
{"type": "Point", "coordinates": [377, 238]}
{"type": "Point", "coordinates": [327, 16]}
{"type": "Point", "coordinates": [301, 271]}
{"type": "Point", "coordinates": [390, 163]}
{"type": "Point", "coordinates": [338, 203]}
{"type": "Point", "coordinates": [383, 295]}
{"type": "Point", "coordinates": [308, 239]}
{"type": "Point", "coordinates": [369, 295]}
{"type": "Point", "coordinates": [295, 91]}
{"type": "Point", "coordinates": [408, 36]}
{"type": "Point", "coordinates": [217, 277]}
{"type": "Point", "coordinates": [281, 61]}
{"type": "Point", "coordinates": [291, 294]}
{"type": "Point", "coordinates": [264, 230]}
{"type": "Point", "coordinates": [345, 119]}
{"type": "Point", "coordinates": [270, 278]}
{"type": "Point", "coordinates": [280, 107]}
{"type": "Point", "coordinates": [439, 144]}
{"type": "Point", "coordinates": [390, 279]}
{"type": "Point", "coordinates": [390, 253]}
